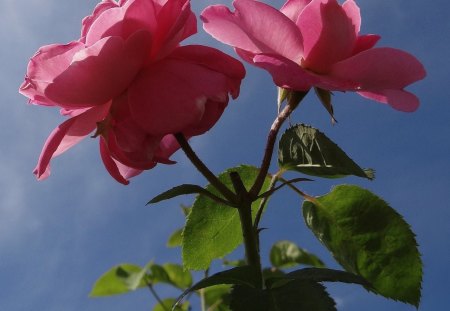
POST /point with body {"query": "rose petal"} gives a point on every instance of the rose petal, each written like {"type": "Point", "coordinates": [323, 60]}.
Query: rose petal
{"type": "Point", "coordinates": [380, 69]}
{"type": "Point", "coordinates": [67, 135]}
{"type": "Point", "coordinates": [176, 22]}
{"type": "Point", "coordinates": [285, 73]}
{"type": "Point", "coordinates": [170, 96]}
{"type": "Point", "coordinates": [293, 8]}
{"type": "Point", "coordinates": [48, 62]}
{"type": "Point", "coordinates": [167, 147]}
{"type": "Point", "coordinates": [398, 99]}
{"type": "Point", "coordinates": [214, 60]}
{"type": "Point", "coordinates": [123, 21]}
{"type": "Point", "coordinates": [254, 27]}
{"type": "Point", "coordinates": [101, 72]}
{"type": "Point", "coordinates": [99, 9]}
{"type": "Point", "coordinates": [354, 14]}
{"type": "Point", "coordinates": [117, 170]}
{"type": "Point", "coordinates": [328, 34]}
{"type": "Point", "coordinates": [365, 42]}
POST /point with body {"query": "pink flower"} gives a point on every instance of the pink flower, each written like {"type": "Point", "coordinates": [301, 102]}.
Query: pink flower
{"type": "Point", "coordinates": [316, 43]}
{"type": "Point", "coordinates": [128, 79]}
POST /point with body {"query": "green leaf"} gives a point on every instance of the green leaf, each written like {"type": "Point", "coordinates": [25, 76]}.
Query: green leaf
{"type": "Point", "coordinates": [217, 297]}
{"type": "Point", "coordinates": [245, 275]}
{"type": "Point", "coordinates": [182, 190]}
{"type": "Point", "coordinates": [119, 280]}
{"type": "Point", "coordinates": [319, 275]}
{"type": "Point", "coordinates": [178, 276]}
{"type": "Point", "coordinates": [295, 295]}
{"type": "Point", "coordinates": [168, 304]}
{"type": "Point", "coordinates": [307, 150]}
{"type": "Point", "coordinates": [213, 230]}
{"type": "Point", "coordinates": [286, 254]}
{"type": "Point", "coordinates": [171, 274]}
{"type": "Point", "coordinates": [234, 263]}
{"type": "Point", "coordinates": [368, 238]}
{"type": "Point", "coordinates": [175, 239]}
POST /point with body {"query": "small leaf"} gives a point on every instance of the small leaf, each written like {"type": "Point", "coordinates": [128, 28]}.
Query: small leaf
{"type": "Point", "coordinates": [175, 239]}
{"type": "Point", "coordinates": [368, 238]}
{"type": "Point", "coordinates": [178, 276]}
{"type": "Point", "coordinates": [295, 295]}
{"type": "Point", "coordinates": [234, 263]}
{"type": "Point", "coordinates": [182, 190]}
{"type": "Point", "coordinates": [217, 297]}
{"type": "Point", "coordinates": [213, 229]}
{"type": "Point", "coordinates": [245, 275]}
{"type": "Point", "coordinates": [168, 305]}
{"type": "Point", "coordinates": [286, 254]}
{"type": "Point", "coordinates": [307, 150]}
{"type": "Point", "coordinates": [119, 280]}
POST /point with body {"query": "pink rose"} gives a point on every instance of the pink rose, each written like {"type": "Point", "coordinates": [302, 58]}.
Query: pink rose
{"type": "Point", "coordinates": [316, 43]}
{"type": "Point", "coordinates": [128, 79]}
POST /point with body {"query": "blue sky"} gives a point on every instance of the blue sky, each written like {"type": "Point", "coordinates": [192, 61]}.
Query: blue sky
{"type": "Point", "coordinates": [57, 236]}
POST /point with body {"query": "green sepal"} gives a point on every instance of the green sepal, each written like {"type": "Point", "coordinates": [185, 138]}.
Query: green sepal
{"type": "Point", "coordinates": [368, 238]}
{"type": "Point", "coordinates": [305, 149]}
{"type": "Point", "coordinates": [325, 99]}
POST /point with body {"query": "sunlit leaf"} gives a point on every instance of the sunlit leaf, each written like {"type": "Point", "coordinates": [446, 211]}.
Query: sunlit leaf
{"type": "Point", "coordinates": [175, 238]}
{"type": "Point", "coordinates": [178, 276]}
{"type": "Point", "coordinates": [368, 238]}
{"type": "Point", "coordinates": [307, 150]}
{"type": "Point", "coordinates": [213, 230]}
{"type": "Point", "coordinates": [119, 280]}
{"type": "Point", "coordinates": [286, 254]}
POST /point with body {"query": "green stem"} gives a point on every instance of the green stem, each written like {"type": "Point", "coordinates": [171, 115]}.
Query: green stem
{"type": "Point", "coordinates": [250, 235]}
{"type": "Point", "coordinates": [203, 169]}
{"type": "Point", "coordinates": [264, 200]}
{"type": "Point", "coordinates": [152, 290]}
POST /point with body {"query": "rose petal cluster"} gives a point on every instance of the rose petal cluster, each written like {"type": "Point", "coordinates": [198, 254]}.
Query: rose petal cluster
{"type": "Point", "coordinates": [128, 81]}
{"type": "Point", "coordinates": [316, 43]}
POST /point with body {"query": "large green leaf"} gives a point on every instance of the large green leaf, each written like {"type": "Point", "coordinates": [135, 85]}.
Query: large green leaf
{"type": "Point", "coordinates": [119, 280]}
{"type": "Point", "coordinates": [307, 150]}
{"type": "Point", "coordinates": [286, 254]}
{"type": "Point", "coordinates": [368, 238]}
{"type": "Point", "coordinates": [212, 229]}
{"type": "Point", "coordinates": [297, 295]}
{"type": "Point", "coordinates": [318, 275]}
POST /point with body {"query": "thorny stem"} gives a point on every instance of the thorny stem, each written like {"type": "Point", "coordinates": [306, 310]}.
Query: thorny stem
{"type": "Point", "coordinates": [152, 290]}
{"type": "Point", "coordinates": [203, 169]}
{"type": "Point", "coordinates": [271, 138]}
